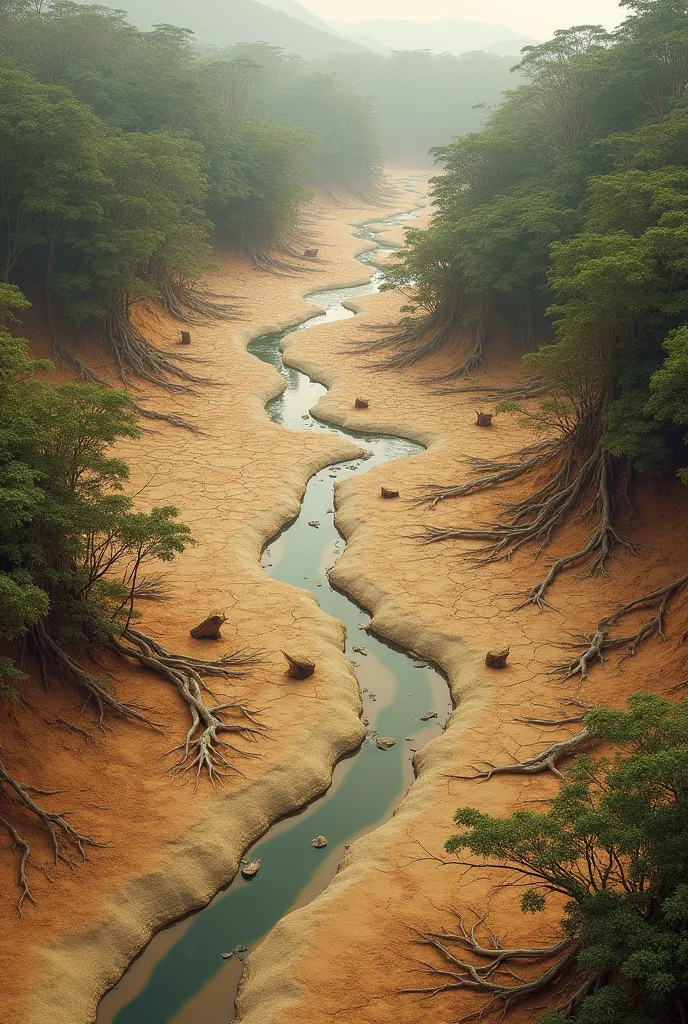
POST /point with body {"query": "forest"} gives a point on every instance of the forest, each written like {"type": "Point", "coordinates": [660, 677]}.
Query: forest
{"type": "Point", "coordinates": [125, 163]}
{"type": "Point", "coordinates": [563, 225]}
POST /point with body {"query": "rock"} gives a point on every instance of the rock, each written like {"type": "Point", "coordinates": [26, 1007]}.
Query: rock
{"type": "Point", "coordinates": [361, 403]}
{"type": "Point", "coordinates": [315, 523]}
{"type": "Point", "coordinates": [421, 664]}
{"type": "Point", "coordinates": [365, 721]}
{"type": "Point", "coordinates": [251, 869]}
{"type": "Point", "coordinates": [484, 419]}
{"type": "Point", "coordinates": [387, 493]}
{"type": "Point", "coordinates": [299, 668]}
{"type": "Point", "coordinates": [240, 949]}
{"type": "Point", "coordinates": [409, 739]}
{"type": "Point", "coordinates": [430, 714]}
{"type": "Point", "coordinates": [385, 742]}
{"type": "Point", "coordinates": [209, 629]}
{"type": "Point", "coordinates": [319, 842]}
{"type": "Point", "coordinates": [186, 338]}
{"type": "Point", "coordinates": [497, 659]}
{"type": "Point", "coordinates": [226, 956]}
{"type": "Point", "coordinates": [360, 650]}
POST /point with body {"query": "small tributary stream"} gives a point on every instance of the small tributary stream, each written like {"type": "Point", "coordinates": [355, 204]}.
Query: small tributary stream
{"type": "Point", "coordinates": [181, 977]}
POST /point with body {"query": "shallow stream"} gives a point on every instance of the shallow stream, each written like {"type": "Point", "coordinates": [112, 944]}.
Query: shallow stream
{"type": "Point", "coordinates": [181, 977]}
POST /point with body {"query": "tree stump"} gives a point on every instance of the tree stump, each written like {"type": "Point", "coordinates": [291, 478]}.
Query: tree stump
{"type": "Point", "coordinates": [361, 403]}
{"type": "Point", "coordinates": [209, 629]}
{"type": "Point", "coordinates": [484, 419]}
{"type": "Point", "coordinates": [299, 668]}
{"type": "Point", "coordinates": [387, 493]}
{"type": "Point", "coordinates": [186, 338]}
{"type": "Point", "coordinates": [497, 659]}
{"type": "Point", "coordinates": [311, 254]}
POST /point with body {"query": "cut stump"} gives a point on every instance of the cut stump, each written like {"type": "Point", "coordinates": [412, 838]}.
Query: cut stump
{"type": "Point", "coordinates": [387, 492]}
{"type": "Point", "coordinates": [186, 338]}
{"type": "Point", "coordinates": [209, 629]}
{"type": "Point", "coordinates": [311, 254]}
{"type": "Point", "coordinates": [299, 668]}
{"type": "Point", "coordinates": [361, 403]}
{"type": "Point", "coordinates": [497, 659]}
{"type": "Point", "coordinates": [484, 419]}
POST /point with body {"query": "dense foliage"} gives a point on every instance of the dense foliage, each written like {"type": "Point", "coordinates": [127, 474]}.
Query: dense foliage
{"type": "Point", "coordinates": [565, 221]}
{"type": "Point", "coordinates": [124, 157]}
{"type": "Point", "coordinates": [613, 846]}
{"type": "Point", "coordinates": [347, 151]}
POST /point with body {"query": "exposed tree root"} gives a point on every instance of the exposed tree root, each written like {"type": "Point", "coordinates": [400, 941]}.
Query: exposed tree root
{"type": "Point", "coordinates": [203, 749]}
{"type": "Point", "coordinates": [465, 969]}
{"type": "Point", "coordinates": [472, 364]}
{"type": "Point", "coordinates": [62, 835]}
{"type": "Point", "coordinates": [592, 648]}
{"type": "Point", "coordinates": [52, 656]}
{"type": "Point", "coordinates": [545, 761]}
{"type": "Point", "coordinates": [416, 341]}
{"type": "Point", "coordinates": [536, 388]}
{"type": "Point", "coordinates": [534, 519]}
{"type": "Point", "coordinates": [187, 304]}
{"type": "Point", "coordinates": [86, 374]}
{"type": "Point", "coordinates": [138, 357]}
{"type": "Point", "coordinates": [493, 473]}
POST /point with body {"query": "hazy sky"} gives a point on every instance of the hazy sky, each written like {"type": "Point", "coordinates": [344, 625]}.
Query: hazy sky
{"type": "Point", "coordinates": [536, 18]}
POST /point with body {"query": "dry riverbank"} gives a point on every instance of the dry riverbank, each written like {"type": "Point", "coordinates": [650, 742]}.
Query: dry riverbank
{"type": "Point", "coordinates": [167, 851]}
{"type": "Point", "coordinates": [451, 611]}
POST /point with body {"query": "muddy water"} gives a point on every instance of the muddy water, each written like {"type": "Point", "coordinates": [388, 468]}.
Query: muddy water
{"type": "Point", "coordinates": [181, 977]}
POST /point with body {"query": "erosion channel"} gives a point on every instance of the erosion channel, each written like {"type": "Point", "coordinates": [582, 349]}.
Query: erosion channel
{"type": "Point", "coordinates": [182, 977]}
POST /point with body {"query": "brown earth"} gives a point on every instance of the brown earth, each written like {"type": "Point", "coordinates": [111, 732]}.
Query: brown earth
{"type": "Point", "coordinates": [347, 955]}
{"type": "Point", "coordinates": [167, 851]}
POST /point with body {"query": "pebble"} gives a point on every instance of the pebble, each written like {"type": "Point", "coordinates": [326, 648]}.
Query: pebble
{"type": "Point", "coordinates": [315, 523]}
{"type": "Point", "coordinates": [360, 650]}
{"type": "Point", "coordinates": [385, 742]}
{"type": "Point", "coordinates": [430, 714]}
{"type": "Point", "coordinates": [319, 842]}
{"type": "Point", "coordinates": [251, 869]}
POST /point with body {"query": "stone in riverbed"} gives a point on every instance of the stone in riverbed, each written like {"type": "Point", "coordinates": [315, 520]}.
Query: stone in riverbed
{"type": "Point", "coordinates": [319, 842]}
{"type": "Point", "coordinates": [314, 522]}
{"type": "Point", "coordinates": [430, 714]}
{"type": "Point", "coordinates": [385, 742]}
{"type": "Point", "coordinates": [250, 870]}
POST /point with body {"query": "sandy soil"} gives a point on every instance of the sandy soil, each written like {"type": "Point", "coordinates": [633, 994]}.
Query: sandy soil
{"type": "Point", "coordinates": [165, 850]}
{"type": "Point", "coordinates": [451, 611]}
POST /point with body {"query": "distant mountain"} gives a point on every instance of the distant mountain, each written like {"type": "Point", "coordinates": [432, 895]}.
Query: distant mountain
{"type": "Point", "coordinates": [449, 36]}
{"type": "Point", "coordinates": [510, 47]}
{"type": "Point", "coordinates": [298, 11]}
{"type": "Point", "coordinates": [219, 23]}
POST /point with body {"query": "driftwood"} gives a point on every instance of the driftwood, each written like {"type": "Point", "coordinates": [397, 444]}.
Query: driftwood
{"type": "Point", "coordinates": [361, 403]}
{"type": "Point", "coordinates": [299, 668]}
{"type": "Point", "coordinates": [186, 338]}
{"type": "Point", "coordinates": [209, 629]}
{"type": "Point", "coordinates": [387, 493]}
{"type": "Point", "coordinates": [497, 659]}
{"type": "Point", "coordinates": [484, 419]}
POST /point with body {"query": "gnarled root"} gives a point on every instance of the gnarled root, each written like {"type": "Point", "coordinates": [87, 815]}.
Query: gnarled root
{"type": "Point", "coordinates": [473, 362]}
{"type": "Point", "coordinates": [536, 518]}
{"type": "Point", "coordinates": [86, 374]}
{"type": "Point", "coordinates": [52, 657]}
{"type": "Point", "coordinates": [137, 356]}
{"type": "Point", "coordinates": [204, 747]}
{"type": "Point", "coordinates": [187, 304]}
{"type": "Point", "coordinates": [62, 835]}
{"type": "Point", "coordinates": [539, 387]}
{"type": "Point", "coordinates": [485, 968]}
{"type": "Point", "coordinates": [416, 341]}
{"type": "Point", "coordinates": [545, 761]}
{"type": "Point", "coordinates": [493, 473]}
{"type": "Point", "coordinates": [591, 649]}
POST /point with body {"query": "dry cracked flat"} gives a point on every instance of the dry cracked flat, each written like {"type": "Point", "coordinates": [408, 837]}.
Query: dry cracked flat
{"type": "Point", "coordinates": [167, 851]}
{"type": "Point", "coordinates": [347, 956]}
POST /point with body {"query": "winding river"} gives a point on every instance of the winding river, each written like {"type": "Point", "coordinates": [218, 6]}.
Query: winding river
{"type": "Point", "coordinates": [181, 977]}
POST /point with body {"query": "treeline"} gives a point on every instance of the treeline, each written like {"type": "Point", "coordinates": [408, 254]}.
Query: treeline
{"type": "Point", "coordinates": [269, 83]}
{"type": "Point", "coordinates": [565, 220]}
{"type": "Point", "coordinates": [420, 98]}
{"type": "Point", "coordinates": [122, 162]}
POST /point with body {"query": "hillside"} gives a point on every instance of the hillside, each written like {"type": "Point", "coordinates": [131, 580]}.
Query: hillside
{"type": "Point", "coordinates": [214, 22]}
{"type": "Point", "coordinates": [452, 35]}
